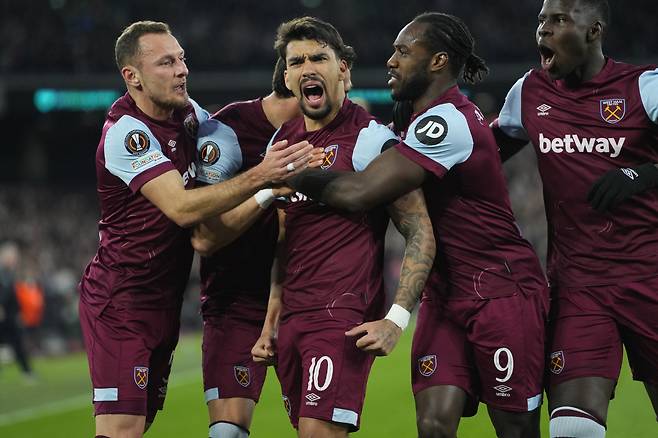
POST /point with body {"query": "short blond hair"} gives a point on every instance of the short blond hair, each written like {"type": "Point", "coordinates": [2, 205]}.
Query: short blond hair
{"type": "Point", "coordinates": [127, 45]}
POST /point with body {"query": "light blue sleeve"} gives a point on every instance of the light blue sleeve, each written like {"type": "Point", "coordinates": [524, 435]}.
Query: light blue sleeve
{"type": "Point", "coordinates": [369, 144]}
{"type": "Point", "coordinates": [130, 148]}
{"type": "Point", "coordinates": [219, 156]}
{"type": "Point", "coordinates": [201, 114]}
{"type": "Point", "coordinates": [510, 118]}
{"type": "Point", "coordinates": [648, 82]}
{"type": "Point", "coordinates": [441, 134]}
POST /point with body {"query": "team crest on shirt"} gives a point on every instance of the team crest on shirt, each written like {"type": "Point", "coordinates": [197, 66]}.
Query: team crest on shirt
{"type": "Point", "coordinates": [191, 125]}
{"type": "Point", "coordinates": [427, 365]}
{"type": "Point", "coordinates": [613, 110]}
{"type": "Point", "coordinates": [431, 130]}
{"type": "Point", "coordinates": [141, 376]}
{"type": "Point", "coordinates": [209, 153]}
{"type": "Point", "coordinates": [242, 375]}
{"type": "Point", "coordinates": [286, 405]}
{"type": "Point", "coordinates": [330, 154]}
{"type": "Point", "coordinates": [557, 362]}
{"type": "Point", "coordinates": [137, 142]}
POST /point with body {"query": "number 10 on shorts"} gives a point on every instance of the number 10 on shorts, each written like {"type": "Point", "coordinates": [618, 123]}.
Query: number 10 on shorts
{"type": "Point", "coordinates": [314, 373]}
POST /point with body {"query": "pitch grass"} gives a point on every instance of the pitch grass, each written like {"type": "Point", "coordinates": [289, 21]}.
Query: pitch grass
{"type": "Point", "coordinates": [58, 405]}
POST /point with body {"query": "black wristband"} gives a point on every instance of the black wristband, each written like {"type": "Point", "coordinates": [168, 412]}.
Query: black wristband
{"type": "Point", "coordinates": [312, 182]}
{"type": "Point", "coordinates": [648, 173]}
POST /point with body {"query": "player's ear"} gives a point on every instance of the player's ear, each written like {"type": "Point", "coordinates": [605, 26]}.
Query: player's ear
{"type": "Point", "coordinates": [285, 79]}
{"type": "Point", "coordinates": [595, 32]}
{"type": "Point", "coordinates": [439, 61]}
{"type": "Point", "coordinates": [342, 68]}
{"type": "Point", "coordinates": [131, 76]}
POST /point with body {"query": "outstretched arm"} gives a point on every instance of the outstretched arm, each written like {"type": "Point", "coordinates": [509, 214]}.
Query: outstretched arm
{"type": "Point", "coordinates": [409, 214]}
{"type": "Point", "coordinates": [386, 178]}
{"type": "Point", "coordinates": [217, 232]}
{"type": "Point", "coordinates": [189, 207]}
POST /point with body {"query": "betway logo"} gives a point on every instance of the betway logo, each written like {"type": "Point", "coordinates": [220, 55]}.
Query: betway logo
{"type": "Point", "coordinates": [572, 143]}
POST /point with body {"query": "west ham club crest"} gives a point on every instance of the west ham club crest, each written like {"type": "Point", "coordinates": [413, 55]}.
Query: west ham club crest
{"type": "Point", "coordinates": [242, 375]}
{"type": "Point", "coordinates": [557, 362]}
{"type": "Point", "coordinates": [330, 154]}
{"type": "Point", "coordinates": [427, 365]}
{"type": "Point", "coordinates": [613, 110]}
{"type": "Point", "coordinates": [141, 376]}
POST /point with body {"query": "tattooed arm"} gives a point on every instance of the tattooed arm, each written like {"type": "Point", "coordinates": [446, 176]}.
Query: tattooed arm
{"type": "Point", "coordinates": [409, 214]}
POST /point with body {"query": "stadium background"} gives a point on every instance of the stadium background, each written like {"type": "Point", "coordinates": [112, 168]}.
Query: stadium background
{"type": "Point", "coordinates": [57, 77]}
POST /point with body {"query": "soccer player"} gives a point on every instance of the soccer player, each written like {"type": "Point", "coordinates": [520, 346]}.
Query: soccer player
{"type": "Point", "coordinates": [480, 330]}
{"type": "Point", "coordinates": [592, 122]}
{"type": "Point", "coordinates": [11, 330]}
{"type": "Point", "coordinates": [236, 279]}
{"type": "Point", "coordinates": [333, 267]}
{"type": "Point", "coordinates": [131, 291]}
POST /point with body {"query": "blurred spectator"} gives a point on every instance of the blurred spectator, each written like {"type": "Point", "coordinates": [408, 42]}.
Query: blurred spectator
{"type": "Point", "coordinates": [11, 330]}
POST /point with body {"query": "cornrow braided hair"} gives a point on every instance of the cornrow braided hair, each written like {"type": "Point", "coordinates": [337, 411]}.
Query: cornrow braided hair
{"type": "Point", "coordinates": [448, 33]}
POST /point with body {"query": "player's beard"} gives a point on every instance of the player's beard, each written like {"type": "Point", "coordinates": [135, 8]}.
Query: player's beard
{"type": "Point", "coordinates": [319, 113]}
{"type": "Point", "coordinates": [413, 87]}
{"type": "Point", "coordinates": [171, 103]}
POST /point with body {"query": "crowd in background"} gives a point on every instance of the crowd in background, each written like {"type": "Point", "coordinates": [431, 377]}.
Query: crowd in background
{"type": "Point", "coordinates": [76, 36]}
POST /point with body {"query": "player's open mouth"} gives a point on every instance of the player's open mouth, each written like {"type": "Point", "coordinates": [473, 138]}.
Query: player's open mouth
{"type": "Point", "coordinates": [313, 92]}
{"type": "Point", "coordinates": [547, 57]}
{"type": "Point", "coordinates": [393, 78]}
{"type": "Point", "coordinates": [181, 89]}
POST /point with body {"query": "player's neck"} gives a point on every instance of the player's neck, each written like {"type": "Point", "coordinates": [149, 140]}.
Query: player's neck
{"type": "Point", "coordinates": [587, 71]}
{"type": "Point", "coordinates": [150, 108]}
{"type": "Point", "coordinates": [279, 110]}
{"type": "Point", "coordinates": [433, 92]}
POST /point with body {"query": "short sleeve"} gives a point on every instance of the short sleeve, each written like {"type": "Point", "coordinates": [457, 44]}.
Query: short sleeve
{"type": "Point", "coordinates": [648, 83]}
{"type": "Point", "coordinates": [510, 118]}
{"type": "Point", "coordinates": [438, 139]}
{"type": "Point", "coordinates": [371, 142]}
{"type": "Point", "coordinates": [133, 154]}
{"type": "Point", "coordinates": [219, 156]}
{"type": "Point", "coordinates": [201, 114]}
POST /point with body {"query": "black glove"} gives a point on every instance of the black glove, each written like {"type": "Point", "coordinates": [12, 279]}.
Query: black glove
{"type": "Point", "coordinates": [618, 185]}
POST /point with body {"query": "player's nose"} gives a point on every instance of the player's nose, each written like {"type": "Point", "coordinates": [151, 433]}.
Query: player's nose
{"type": "Point", "coordinates": [392, 61]}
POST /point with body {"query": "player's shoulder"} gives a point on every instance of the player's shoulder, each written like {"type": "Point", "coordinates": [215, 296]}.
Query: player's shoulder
{"type": "Point", "coordinates": [216, 141]}
{"type": "Point", "coordinates": [243, 111]}
{"type": "Point", "coordinates": [444, 122]}
{"type": "Point", "coordinates": [200, 113]}
{"type": "Point", "coordinates": [624, 68]}
{"type": "Point", "coordinates": [130, 132]}
{"type": "Point", "coordinates": [219, 154]}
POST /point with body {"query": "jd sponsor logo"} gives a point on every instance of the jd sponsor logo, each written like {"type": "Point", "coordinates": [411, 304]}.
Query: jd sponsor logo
{"type": "Point", "coordinates": [571, 143]}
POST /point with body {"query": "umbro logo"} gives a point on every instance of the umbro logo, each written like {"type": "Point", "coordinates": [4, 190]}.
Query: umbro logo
{"type": "Point", "coordinates": [502, 390]}
{"type": "Point", "coordinates": [312, 397]}
{"type": "Point", "coordinates": [630, 173]}
{"type": "Point", "coordinates": [543, 109]}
